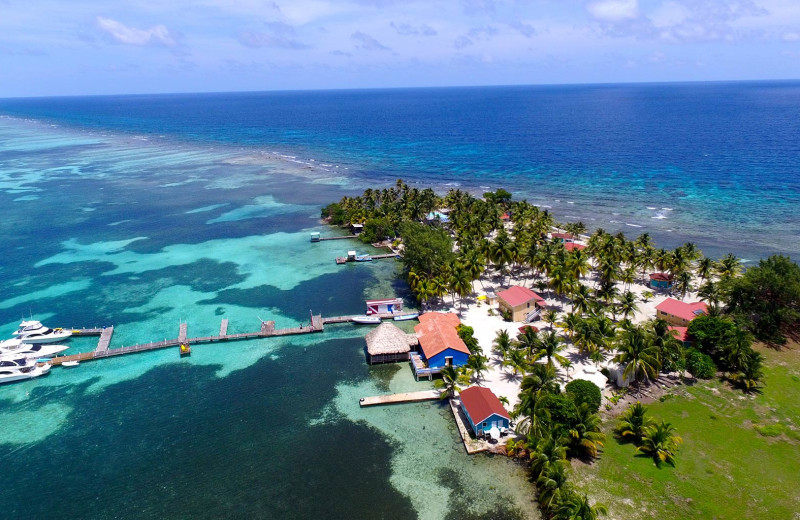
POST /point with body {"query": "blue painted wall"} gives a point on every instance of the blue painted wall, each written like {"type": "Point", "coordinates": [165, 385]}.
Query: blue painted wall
{"type": "Point", "coordinates": [660, 284]}
{"type": "Point", "coordinates": [459, 358]}
{"type": "Point", "coordinates": [502, 422]}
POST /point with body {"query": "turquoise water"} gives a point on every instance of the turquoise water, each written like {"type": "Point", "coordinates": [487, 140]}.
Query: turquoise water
{"type": "Point", "coordinates": [106, 229]}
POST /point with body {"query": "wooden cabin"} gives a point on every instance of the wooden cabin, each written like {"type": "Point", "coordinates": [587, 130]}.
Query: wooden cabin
{"type": "Point", "coordinates": [388, 344]}
{"type": "Point", "coordinates": [523, 304]}
{"type": "Point", "coordinates": [484, 410]}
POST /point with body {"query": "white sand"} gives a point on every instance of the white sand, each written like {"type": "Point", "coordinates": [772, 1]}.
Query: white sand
{"type": "Point", "coordinates": [501, 380]}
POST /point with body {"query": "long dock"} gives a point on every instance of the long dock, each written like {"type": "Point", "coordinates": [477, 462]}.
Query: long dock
{"type": "Point", "coordinates": [347, 319]}
{"type": "Point", "coordinates": [267, 330]}
{"type": "Point", "coordinates": [337, 238]}
{"type": "Point", "coordinates": [408, 397]}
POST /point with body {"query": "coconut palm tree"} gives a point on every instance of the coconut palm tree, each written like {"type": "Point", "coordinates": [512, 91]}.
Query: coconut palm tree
{"type": "Point", "coordinates": [528, 340]}
{"type": "Point", "coordinates": [460, 283]}
{"type": "Point", "coordinates": [452, 377]}
{"type": "Point", "coordinates": [705, 266]}
{"type": "Point", "coordinates": [660, 442]}
{"type": "Point", "coordinates": [627, 304]}
{"type": "Point", "coordinates": [729, 266]}
{"type": "Point", "coordinates": [581, 299]}
{"type": "Point", "coordinates": [516, 360]}
{"type": "Point", "coordinates": [550, 316]}
{"type": "Point", "coordinates": [549, 452]}
{"type": "Point", "coordinates": [552, 484]}
{"type": "Point", "coordinates": [633, 421]}
{"type": "Point", "coordinates": [585, 437]}
{"type": "Point", "coordinates": [639, 355]}
{"type": "Point", "coordinates": [750, 373]}
{"type": "Point", "coordinates": [477, 364]}
{"type": "Point", "coordinates": [710, 292]}
{"type": "Point", "coordinates": [683, 283]}
{"type": "Point", "coordinates": [502, 343]}
{"type": "Point", "coordinates": [573, 506]}
{"type": "Point", "coordinates": [549, 347]}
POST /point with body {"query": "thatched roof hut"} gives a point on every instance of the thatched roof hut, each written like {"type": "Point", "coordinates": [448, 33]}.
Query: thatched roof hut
{"type": "Point", "coordinates": [387, 343]}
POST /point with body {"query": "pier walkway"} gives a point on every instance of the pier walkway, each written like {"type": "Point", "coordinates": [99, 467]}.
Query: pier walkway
{"type": "Point", "coordinates": [267, 330]}
{"type": "Point", "coordinates": [408, 397]}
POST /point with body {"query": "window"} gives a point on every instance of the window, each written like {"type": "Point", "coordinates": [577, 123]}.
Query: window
{"type": "Point", "coordinates": [484, 423]}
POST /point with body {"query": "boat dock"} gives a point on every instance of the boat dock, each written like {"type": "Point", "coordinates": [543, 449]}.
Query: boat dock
{"type": "Point", "coordinates": [367, 258]}
{"type": "Point", "coordinates": [408, 397]}
{"type": "Point", "coordinates": [267, 330]}
{"type": "Point", "coordinates": [470, 444]}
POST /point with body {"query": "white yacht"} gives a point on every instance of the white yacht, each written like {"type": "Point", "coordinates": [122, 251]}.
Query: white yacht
{"type": "Point", "coordinates": [20, 369]}
{"type": "Point", "coordinates": [34, 332]}
{"type": "Point", "coordinates": [17, 348]}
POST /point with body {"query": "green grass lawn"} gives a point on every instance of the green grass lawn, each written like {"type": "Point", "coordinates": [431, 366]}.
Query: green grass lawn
{"type": "Point", "coordinates": [740, 456]}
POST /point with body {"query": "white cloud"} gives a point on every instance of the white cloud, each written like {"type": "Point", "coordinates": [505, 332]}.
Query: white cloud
{"type": "Point", "coordinates": [367, 42]}
{"type": "Point", "coordinates": [156, 35]}
{"type": "Point", "coordinates": [614, 10]}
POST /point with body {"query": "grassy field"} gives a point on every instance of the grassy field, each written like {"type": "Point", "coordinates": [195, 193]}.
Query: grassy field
{"type": "Point", "coordinates": [740, 458]}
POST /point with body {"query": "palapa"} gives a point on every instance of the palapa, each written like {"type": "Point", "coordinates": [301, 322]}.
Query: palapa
{"type": "Point", "coordinates": [386, 342]}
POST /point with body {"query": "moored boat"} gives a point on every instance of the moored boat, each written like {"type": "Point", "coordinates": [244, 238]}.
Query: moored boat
{"type": "Point", "coordinates": [366, 320]}
{"type": "Point", "coordinates": [406, 317]}
{"type": "Point", "coordinates": [18, 348]}
{"type": "Point", "coordinates": [33, 331]}
{"type": "Point", "coordinates": [69, 364]}
{"type": "Point", "coordinates": [20, 369]}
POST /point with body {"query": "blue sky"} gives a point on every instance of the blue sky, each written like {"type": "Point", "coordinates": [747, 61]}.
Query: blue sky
{"type": "Point", "coordinates": [60, 47]}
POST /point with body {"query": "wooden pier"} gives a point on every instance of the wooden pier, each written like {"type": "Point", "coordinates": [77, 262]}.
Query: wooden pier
{"type": "Point", "coordinates": [267, 330]}
{"type": "Point", "coordinates": [347, 319]}
{"type": "Point", "coordinates": [336, 238]}
{"type": "Point", "coordinates": [345, 260]}
{"type": "Point", "coordinates": [408, 397]}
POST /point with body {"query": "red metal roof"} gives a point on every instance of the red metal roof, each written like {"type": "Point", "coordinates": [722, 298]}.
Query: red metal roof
{"type": "Point", "coordinates": [571, 246]}
{"type": "Point", "coordinates": [481, 403]}
{"type": "Point", "coordinates": [566, 236]}
{"type": "Point", "coordinates": [661, 277]}
{"type": "Point", "coordinates": [437, 333]}
{"type": "Point", "coordinates": [526, 327]}
{"type": "Point", "coordinates": [518, 295]}
{"type": "Point", "coordinates": [504, 216]}
{"type": "Point", "coordinates": [682, 333]}
{"type": "Point", "coordinates": [686, 311]}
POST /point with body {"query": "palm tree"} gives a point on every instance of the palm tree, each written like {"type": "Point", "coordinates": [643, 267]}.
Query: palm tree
{"type": "Point", "coordinates": [502, 343]}
{"type": "Point", "coordinates": [639, 354]}
{"type": "Point", "coordinates": [460, 283]}
{"type": "Point", "coordinates": [528, 340]}
{"type": "Point", "coordinates": [627, 304]}
{"type": "Point", "coordinates": [585, 436]}
{"type": "Point", "coordinates": [660, 442]}
{"type": "Point", "coordinates": [581, 299]}
{"type": "Point", "coordinates": [451, 378]}
{"type": "Point", "coordinates": [552, 484]}
{"type": "Point", "coordinates": [750, 374]}
{"type": "Point", "coordinates": [633, 421]}
{"type": "Point", "coordinates": [577, 507]}
{"type": "Point", "coordinates": [728, 266]}
{"type": "Point", "coordinates": [516, 360]}
{"type": "Point", "coordinates": [549, 451]}
{"type": "Point", "coordinates": [704, 267]}
{"type": "Point", "coordinates": [550, 316]}
{"type": "Point", "coordinates": [478, 364]}
{"type": "Point", "coordinates": [549, 347]}
{"type": "Point", "coordinates": [683, 283]}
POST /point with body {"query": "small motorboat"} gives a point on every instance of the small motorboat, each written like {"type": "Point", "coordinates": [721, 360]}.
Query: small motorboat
{"type": "Point", "coordinates": [69, 364]}
{"type": "Point", "coordinates": [366, 320]}
{"type": "Point", "coordinates": [406, 317]}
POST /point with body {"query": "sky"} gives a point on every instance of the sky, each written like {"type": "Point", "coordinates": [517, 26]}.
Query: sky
{"type": "Point", "coordinates": [83, 47]}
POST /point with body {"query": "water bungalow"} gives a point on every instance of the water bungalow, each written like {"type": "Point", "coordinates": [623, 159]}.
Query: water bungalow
{"type": "Point", "coordinates": [315, 236]}
{"type": "Point", "coordinates": [387, 344]}
{"type": "Point", "coordinates": [484, 411]}
{"type": "Point", "coordinates": [439, 343]}
{"type": "Point", "coordinates": [680, 313]}
{"type": "Point", "coordinates": [356, 228]}
{"type": "Point", "coordinates": [386, 306]}
{"type": "Point", "coordinates": [662, 281]}
{"type": "Point", "coordinates": [523, 304]}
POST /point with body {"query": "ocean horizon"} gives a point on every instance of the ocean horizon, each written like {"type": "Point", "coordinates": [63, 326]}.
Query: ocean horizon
{"type": "Point", "coordinates": [146, 211]}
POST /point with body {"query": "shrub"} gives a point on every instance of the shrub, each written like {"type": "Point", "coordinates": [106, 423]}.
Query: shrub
{"type": "Point", "coordinates": [583, 391]}
{"type": "Point", "coordinates": [562, 412]}
{"type": "Point", "coordinates": [466, 332]}
{"type": "Point", "coordinates": [700, 365]}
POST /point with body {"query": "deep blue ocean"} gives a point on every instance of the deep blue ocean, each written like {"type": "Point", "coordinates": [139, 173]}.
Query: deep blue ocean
{"type": "Point", "coordinates": [145, 211]}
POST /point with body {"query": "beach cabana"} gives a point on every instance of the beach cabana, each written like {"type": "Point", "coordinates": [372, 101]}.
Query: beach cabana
{"type": "Point", "coordinates": [356, 228]}
{"type": "Point", "coordinates": [439, 344]}
{"type": "Point", "coordinates": [386, 306]}
{"type": "Point", "coordinates": [387, 344]}
{"type": "Point", "coordinates": [680, 313]}
{"type": "Point", "coordinates": [484, 410]}
{"type": "Point", "coordinates": [661, 281]}
{"type": "Point", "coordinates": [523, 304]}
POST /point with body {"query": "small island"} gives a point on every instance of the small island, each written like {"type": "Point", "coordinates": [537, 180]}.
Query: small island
{"type": "Point", "coordinates": [576, 332]}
